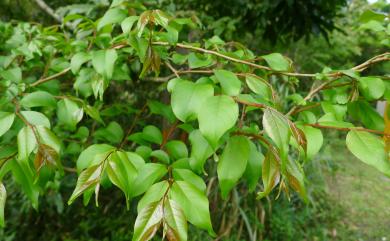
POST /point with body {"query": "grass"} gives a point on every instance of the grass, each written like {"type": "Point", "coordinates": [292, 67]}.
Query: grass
{"type": "Point", "coordinates": [363, 192]}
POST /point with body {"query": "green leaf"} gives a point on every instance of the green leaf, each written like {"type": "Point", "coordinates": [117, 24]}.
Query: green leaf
{"type": "Point", "coordinates": [69, 113]}
{"type": "Point", "coordinates": [14, 74]}
{"type": "Point", "coordinates": [92, 156]}
{"type": "Point", "coordinates": [47, 137]}
{"type": "Point", "coordinates": [148, 221]}
{"type": "Point", "coordinates": [329, 119]}
{"type": "Point", "coordinates": [188, 98]}
{"type": "Point", "coordinates": [277, 127]}
{"type": "Point", "coordinates": [253, 168]}
{"type": "Point", "coordinates": [369, 149]}
{"type": "Point", "coordinates": [200, 151]}
{"type": "Point", "coordinates": [93, 113]}
{"type": "Point", "coordinates": [295, 178]}
{"type": "Point", "coordinates": [338, 111]}
{"type": "Point", "coordinates": [176, 149]}
{"type": "Point", "coordinates": [24, 176]}
{"type": "Point", "coordinates": [370, 15]}
{"type": "Point", "coordinates": [103, 62]}
{"type": "Point", "coordinates": [112, 133]}
{"type": "Point", "coordinates": [230, 84]}
{"type": "Point", "coordinates": [180, 174]}
{"type": "Point", "coordinates": [270, 174]}
{"type": "Point", "coordinates": [362, 111]}
{"type": "Point", "coordinates": [128, 23]}
{"type": "Point", "coordinates": [258, 86]}
{"type": "Point", "coordinates": [36, 118]}
{"type": "Point", "coordinates": [88, 179]}
{"type": "Point", "coordinates": [26, 143]}
{"type": "Point", "coordinates": [161, 156]}
{"type": "Point", "coordinates": [147, 176]}
{"type": "Point", "coordinates": [371, 87]}
{"type": "Point", "coordinates": [197, 60]}
{"type": "Point", "coordinates": [153, 194]}
{"type": "Point", "coordinates": [113, 15]}
{"type": "Point", "coordinates": [159, 108]}
{"type": "Point", "coordinates": [232, 163]}
{"type": "Point", "coordinates": [6, 120]}
{"type": "Point", "coordinates": [194, 204]}
{"type": "Point", "coordinates": [135, 159]}
{"type": "Point", "coordinates": [121, 172]}
{"type": "Point", "coordinates": [152, 134]}
{"type": "Point", "coordinates": [3, 197]}
{"type": "Point", "coordinates": [217, 115]}
{"type": "Point", "coordinates": [77, 60]}
{"type": "Point", "coordinates": [277, 61]}
{"type": "Point", "coordinates": [37, 99]}
{"type": "Point", "coordinates": [175, 222]}
{"type": "Point", "coordinates": [314, 140]}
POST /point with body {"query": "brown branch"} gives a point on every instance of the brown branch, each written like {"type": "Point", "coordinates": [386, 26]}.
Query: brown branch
{"type": "Point", "coordinates": [305, 108]}
{"type": "Point", "coordinates": [311, 94]}
{"type": "Point", "coordinates": [47, 9]}
{"type": "Point", "coordinates": [359, 68]}
{"type": "Point", "coordinates": [43, 80]}
{"type": "Point", "coordinates": [132, 126]}
{"type": "Point", "coordinates": [249, 103]}
{"type": "Point", "coordinates": [316, 125]}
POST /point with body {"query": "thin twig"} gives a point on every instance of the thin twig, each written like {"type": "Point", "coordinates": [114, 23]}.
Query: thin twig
{"type": "Point", "coordinates": [43, 80]}
{"type": "Point", "coordinates": [348, 129]}
{"type": "Point", "coordinates": [131, 128]}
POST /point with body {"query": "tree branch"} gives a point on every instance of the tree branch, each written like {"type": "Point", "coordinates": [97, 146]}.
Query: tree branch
{"type": "Point", "coordinates": [47, 9]}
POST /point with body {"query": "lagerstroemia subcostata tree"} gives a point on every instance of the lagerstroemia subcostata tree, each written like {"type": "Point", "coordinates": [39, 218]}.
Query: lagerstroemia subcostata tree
{"type": "Point", "coordinates": [206, 110]}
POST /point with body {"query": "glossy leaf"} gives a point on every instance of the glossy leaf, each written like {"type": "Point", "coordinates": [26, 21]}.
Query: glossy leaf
{"type": "Point", "coordinates": [92, 155]}
{"type": "Point", "coordinates": [128, 23]}
{"type": "Point", "coordinates": [38, 99]}
{"type": "Point", "coordinates": [24, 176]}
{"type": "Point", "coordinates": [258, 86]}
{"type": "Point", "coordinates": [200, 150]}
{"type": "Point", "coordinates": [147, 176]}
{"type": "Point", "coordinates": [6, 120]}
{"type": "Point", "coordinates": [36, 118]}
{"type": "Point", "coordinates": [148, 221]}
{"type": "Point", "coordinates": [270, 174]}
{"type": "Point", "coordinates": [69, 113]}
{"type": "Point", "coordinates": [369, 149]}
{"type": "Point", "coordinates": [78, 60]}
{"type": "Point", "coordinates": [26, 143]}
{"type": "Point", "coordinates": [194, 204]}
{"type": "Point", "coordinates": [253, 169]}
{"type": "Point", "coordinates": [121, 172]}
{"type": "Point", "coordinates": [153, 194]}
{"type": "Point", "coordinates": [371, 87]}
{"type": "Point", "coordinates": [176, 149]}
{"type": "Point", "coordinates": [3, 197]}
{"type": "Point", "coordinates": [232, 163]}
{"type": "Point", "coordinates": [175, 222]}
{"type": "Point", "coordinates": [113, 15]}
{"type": "Point", "coordinates": [180, 174]}
{"type": "Point", "coordinates": [87, 180]}
{"type": "Point", "coordinates": [216, 117]}
{"type": "Point", "coordinates": [103, 62]}
{"type": "Point", "coordinates": [277, 127]}
{"type": "Point", "coordinates": [161, 156]}
{"type": "Point", "coordinates": [231, 85]}
{"type": "Point", "coordinates": [152, 134]}
{"type": "Point", "coordinates": [277, 61]}
{"type": "Point", "coordinates": [188, 99]}
{"type": "Point", "coordinates": [314, 140]}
